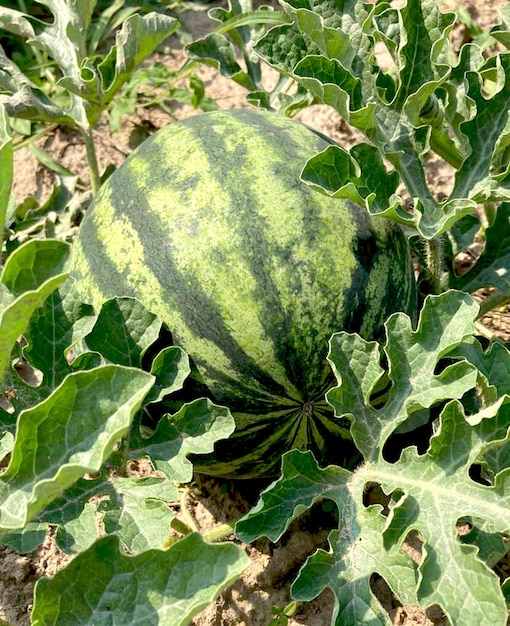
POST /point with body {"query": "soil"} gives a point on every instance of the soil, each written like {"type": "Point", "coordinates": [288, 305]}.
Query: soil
{"type": "Point", "coordinates": [209, 501]}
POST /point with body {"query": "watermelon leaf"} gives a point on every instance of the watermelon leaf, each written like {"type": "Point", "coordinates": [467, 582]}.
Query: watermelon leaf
{"type": "Point", "coordinates": [90, 83]}
{"type": "Point", "coordinates": [420, 99]}
{"type": "Point", "coordinates": [427, 492]}
{"type": "Point", "coordinates": [171, 367]}
{"type": "Point", "coordinates": [156, 586]}
{"type": "Point", "coordinates": [240, 28]}
{"type": "Point", "coordinates": [138, 37]}
{"type": "Point", "coordinates": [490, 270]}
{"type": "Point", "coordinates": [70, 433]}
{"type": "Point", "coordinates": [215, 50]}
{"type": "Point", "coordinates": [123, 331]}
{"type": "Point", "coordinates": [138, 512]}
{"type": "Point", "coordinates": [134, 508]}
{"type": "Point", "coordinates": [194, 429]}
{"type": "Point", "coordinates": [413, 357]}
{"type": "Point", "coordinates": [51, 332]}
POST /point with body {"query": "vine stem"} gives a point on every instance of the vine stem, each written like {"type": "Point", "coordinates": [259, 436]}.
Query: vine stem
{"type": "Point", "coordinates": [95, 177]}
{"type": "Point", "coordinates": [220, 532]}
{"type": "Point", "coordinates": [435, 262]}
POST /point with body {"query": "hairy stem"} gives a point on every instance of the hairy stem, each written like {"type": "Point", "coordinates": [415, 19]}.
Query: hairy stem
{"type": "Point", "coordinates": [434, 257]}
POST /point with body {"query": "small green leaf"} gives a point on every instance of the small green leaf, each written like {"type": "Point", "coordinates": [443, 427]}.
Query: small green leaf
{"type": "Point", "coordinates": [217, 51]}
{"type": "Point", "coordinates": [139, 37]}
{"type": "Point", "coordinates": [301, 483]}
{"type": "Point", "coordinates": [493, 363]}
{"type": "Point", "coordinates": [26, 539]}
{"type": "Point", "coordinates": [33, 264]}
{"type": "Point", "coordinates": [491, 269]}
{"type": "Point", "coordinates": [171, 367]}
{"type": "Point", "coordinates": [155, 587]}
{"type": "Point", "coordinates": [194, 429]}
{"type": "Point", "coordinates": [360, 176]}
{"type": "Point", "coordinates": [488, 127]}
{"type": "Point", "coordinates": [136, 509]}
{"type": "Point", "coordinates": [124, 329]}
{"type": "Point", "coordinates": [51, 332]}
{"type": "Point", "coordinates": [282, 47]}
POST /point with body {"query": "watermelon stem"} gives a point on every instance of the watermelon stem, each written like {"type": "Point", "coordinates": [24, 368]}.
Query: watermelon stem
{"type": "Point", "coordinates": [220, 532]}
{"type": "Point", "coordinates": [434, 255]}
{"type": "Point", "coordinates": [95, 177]}
{"type": "Point", "coordinates": [189, 522]}
{"type": "Point", "coordinates": [181, 527]}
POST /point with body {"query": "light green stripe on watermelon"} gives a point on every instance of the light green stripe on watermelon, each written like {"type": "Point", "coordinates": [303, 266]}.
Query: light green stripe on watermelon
{"type": "Point", "coordinates": [125, 251]}
{"type": "Point", "coordinates": [213, 272]}
{"type": "Point", "coordinates": [178, 214]}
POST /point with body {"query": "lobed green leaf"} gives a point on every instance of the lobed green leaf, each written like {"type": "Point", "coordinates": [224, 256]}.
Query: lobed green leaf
{"type": "Point", "coordinates": [194, 429]}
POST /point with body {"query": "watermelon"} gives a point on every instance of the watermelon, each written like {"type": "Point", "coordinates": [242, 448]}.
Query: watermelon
{"type": "Point", "coordinates": [208, 224]}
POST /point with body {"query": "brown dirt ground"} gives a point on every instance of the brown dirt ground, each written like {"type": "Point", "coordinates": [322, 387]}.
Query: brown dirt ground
{"type": "Point", "coordinates": [210, 501]}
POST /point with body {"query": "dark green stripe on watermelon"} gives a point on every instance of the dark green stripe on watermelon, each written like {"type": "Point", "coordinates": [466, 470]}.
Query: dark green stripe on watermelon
{"type": "Point", "coordinates": [208, 224]}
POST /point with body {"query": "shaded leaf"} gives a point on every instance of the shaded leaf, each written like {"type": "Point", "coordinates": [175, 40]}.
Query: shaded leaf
{"type": "Point", "coordinates": [124, 329]}
{"type": "Point", "coordinates": [51, 332]}
{"type": "Point", "coordinates": [171, 367]}
{"type": "Point", "coordinates": [491, 269]}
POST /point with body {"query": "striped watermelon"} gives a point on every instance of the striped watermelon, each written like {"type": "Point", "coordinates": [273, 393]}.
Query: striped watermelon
{"type": "Point", "coordinates": [209, 226]}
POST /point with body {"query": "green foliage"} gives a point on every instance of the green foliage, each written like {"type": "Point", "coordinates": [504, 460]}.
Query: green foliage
{"type": "Point", "coordinates": [88, 80]}
{"type": "Point", "coordinates": [240, 27]}
{"type": "Point", "coordinates": [72, 436]}
{"type": "Point", "coordinates": [281, 616]}
{"type": "Point", "coordinates": [428, 408]}
{"type": "Point", "coordinates": [428, 492]}
{"type": "Point", "coordinates": [59, 66]}
{"type": "Point", "coordinates": [71, 453]}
